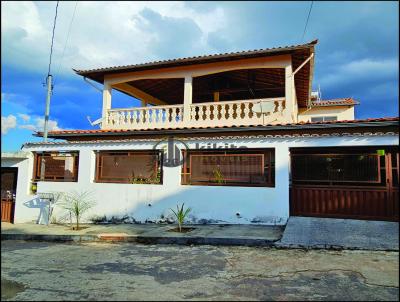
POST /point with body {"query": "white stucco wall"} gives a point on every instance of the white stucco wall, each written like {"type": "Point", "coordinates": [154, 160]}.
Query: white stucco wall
{"type": "Point", "coordinates": [343, 113]}
{"type": "Point", "coordinates": [25, 166]}
{"type": "Point", "coordinates": [217, 203]}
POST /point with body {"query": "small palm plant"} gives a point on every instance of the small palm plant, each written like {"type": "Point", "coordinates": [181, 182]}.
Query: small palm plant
{"type": "Point", "coordinates": [180, 215]}
{"type": "Point", "coordinates": [218, 176]}
{"type": "Point", "coordinates": [77, 203]}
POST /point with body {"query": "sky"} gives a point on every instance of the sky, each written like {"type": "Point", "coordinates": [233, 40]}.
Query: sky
{"type": "Point", "coordinates": [357, 54]}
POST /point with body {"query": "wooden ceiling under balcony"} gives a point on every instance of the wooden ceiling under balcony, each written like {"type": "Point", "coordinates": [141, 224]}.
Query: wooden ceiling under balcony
{"type": "Point", "coordinates": [171, 90]}
{"type": "Point", "coordinates": [231, 85]}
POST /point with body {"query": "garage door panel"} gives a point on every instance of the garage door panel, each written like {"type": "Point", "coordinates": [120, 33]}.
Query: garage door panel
{"type": "Point", "coordinates": [344, 202]}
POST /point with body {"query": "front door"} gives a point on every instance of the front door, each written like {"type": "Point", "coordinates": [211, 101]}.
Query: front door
{"type": "Point", "coordinates": [8, 191]}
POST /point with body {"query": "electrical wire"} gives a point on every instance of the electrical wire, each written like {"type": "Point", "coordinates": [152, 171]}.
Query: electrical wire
{"type": "Point", "coordinates": [52, 38]}
{"type": "Point", "coordinates": [66, 41]}
{"type": "Point", "coordinates": [308, 17]}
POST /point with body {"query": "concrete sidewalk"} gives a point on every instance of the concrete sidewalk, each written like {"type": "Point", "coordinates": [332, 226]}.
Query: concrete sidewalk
{"type": "Point", "coordinates": [300, 232]}
{"type": "Point", "coordinates": [310, 232]}
{"type": "Point", "coordinates": [249, 235]}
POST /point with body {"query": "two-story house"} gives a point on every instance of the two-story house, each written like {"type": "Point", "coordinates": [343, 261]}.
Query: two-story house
{"type": "Point", "coordinates": [238, 137]}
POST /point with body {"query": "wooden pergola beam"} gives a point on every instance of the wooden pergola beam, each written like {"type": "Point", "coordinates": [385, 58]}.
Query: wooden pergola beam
{"type": "Point", "coordinates": [137, 93]}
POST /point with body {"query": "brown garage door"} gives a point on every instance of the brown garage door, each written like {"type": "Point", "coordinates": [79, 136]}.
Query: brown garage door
{"type": "Point", "coordinates": [356, 183]}
{"type": "Point", "coordinates": [8, 190]}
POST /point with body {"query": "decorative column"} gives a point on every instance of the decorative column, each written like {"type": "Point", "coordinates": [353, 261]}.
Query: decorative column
{"type": "Point", "coordinates": [106, 103]}
{"type": "Point", "coordinates": [187, 98]}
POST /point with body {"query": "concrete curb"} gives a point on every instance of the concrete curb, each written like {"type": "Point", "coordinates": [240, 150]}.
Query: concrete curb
{"type": "Point", "coordinates": [222, 241]}
{"type": "Point", "coordinates": [142, 239]}
{"type": "Point", "coordinates": [333, 247]}
{"type": "Point", "coordinates": [50, 238]}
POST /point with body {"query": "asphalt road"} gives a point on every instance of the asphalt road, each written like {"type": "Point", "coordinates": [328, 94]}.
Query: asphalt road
{"type": "Point", "coordinates": [106, 271]}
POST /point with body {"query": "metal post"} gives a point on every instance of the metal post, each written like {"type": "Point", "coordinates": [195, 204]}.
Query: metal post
{"type": "Point", "coordinates": [46, 121]}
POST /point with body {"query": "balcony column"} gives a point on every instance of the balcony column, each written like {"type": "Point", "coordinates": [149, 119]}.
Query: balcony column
{"type": "Point", "coordinates": [187, 98]}
{"type": "Point", "coordinates": [106, 102]}
{"type": "Point", "coordinates": [289, 95]}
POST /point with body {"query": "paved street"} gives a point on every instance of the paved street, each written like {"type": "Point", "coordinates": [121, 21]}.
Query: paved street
{"type": "Point", "coordinates": [106, 271]}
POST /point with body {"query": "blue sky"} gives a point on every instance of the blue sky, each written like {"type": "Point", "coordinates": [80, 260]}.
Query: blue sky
{"type": "Point", "coordinates": [357, 54]}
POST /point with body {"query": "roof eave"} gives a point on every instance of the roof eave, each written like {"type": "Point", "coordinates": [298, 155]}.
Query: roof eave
{"type": "Point", "coordinates": [232, 129]}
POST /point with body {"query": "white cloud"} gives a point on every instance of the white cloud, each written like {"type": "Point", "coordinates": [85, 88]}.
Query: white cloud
{"type": "Point", "coordinates": [7, 123]}
{"type": "Point", "coordinates": [39, 125]}
{"type": "Point", "coordinates": [369, 66]}
{"type": "Point", "coordinates": [102, 34]}
{"type": "Point", "coordinates": [10, 122]}
{"type": "Point", "coordinates": [24, 117]}
{"type": "Point", "coordinates": [364, 69]}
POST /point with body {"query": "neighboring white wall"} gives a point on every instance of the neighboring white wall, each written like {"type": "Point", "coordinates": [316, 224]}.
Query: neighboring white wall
{"type": "Point", "coordinates": [24, 202]}
{"type": "Point", "coordinates": [342, 112]}
{"type": "Point", "coordinates": [214, 203]}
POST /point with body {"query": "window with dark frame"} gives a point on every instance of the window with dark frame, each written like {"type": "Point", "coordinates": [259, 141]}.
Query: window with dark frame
{"type": "Point", "coordinates": [136, 167]}
{"type": "Point", "coordinates": [58, 166]}
{"type": "Point", "coordinates": [233, 167]}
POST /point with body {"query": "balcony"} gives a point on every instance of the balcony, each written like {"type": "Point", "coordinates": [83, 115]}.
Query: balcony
{"type": "Point", "coordinates": [214, 114]}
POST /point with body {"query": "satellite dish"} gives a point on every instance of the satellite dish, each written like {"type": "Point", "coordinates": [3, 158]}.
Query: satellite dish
{"type": "Point", "coordinates": [96, 122]}
{"type": "Point", "coordinates": [264, 107]}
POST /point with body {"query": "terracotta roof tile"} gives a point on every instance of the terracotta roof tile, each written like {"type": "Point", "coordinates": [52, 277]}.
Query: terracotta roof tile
{"type": "Point", "coordinates": [101, 131]}
{"type": "Point", "coordinates": [196, 58]}
{"type": "Point", "coordinates": [335, 102]}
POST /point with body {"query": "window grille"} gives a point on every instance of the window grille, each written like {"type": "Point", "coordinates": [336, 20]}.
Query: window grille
{"type": "Point", "coordinates": [229, 167]}
{"type": "Point", "coordinates": [129, 167]}
{"type": "Point", "coordinates": [357, 168]}
{"type": "Point", "coordinates": [58, 166]}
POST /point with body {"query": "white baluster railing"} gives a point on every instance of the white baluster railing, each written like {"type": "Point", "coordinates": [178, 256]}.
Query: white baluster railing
{"type": "Point", "coordinates": [235, 113]}
{"type": "Point", "coordinates": [231, 113]}
{"type": "Point", "coordinates": [145, 117]}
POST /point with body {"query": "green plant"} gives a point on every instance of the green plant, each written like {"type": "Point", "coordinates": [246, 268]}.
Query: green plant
{"type": "Point", "coordinates": [180, 215]}
{"type": "Point", "coordinates": [218, 176]}
{"type": "Point", "coordinates": [33, 188]}
{"type": "Point", "coordinates": [77, 203]}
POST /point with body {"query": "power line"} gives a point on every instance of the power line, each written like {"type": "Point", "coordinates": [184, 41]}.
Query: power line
{"type": "Point", "coordinates": [308, 17]}
{"type": "Point", "coordinates": [49, 91]}
{"type": "Point", "coordinates": [66, 41]}
{"type": "Point", "coordinates": [52, 39]}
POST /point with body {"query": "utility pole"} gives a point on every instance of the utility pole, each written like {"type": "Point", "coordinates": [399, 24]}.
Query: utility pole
{"type": "Point", "coordinates": [47, 110]}
{"type": "Point", "coordinates": [46, 121]}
